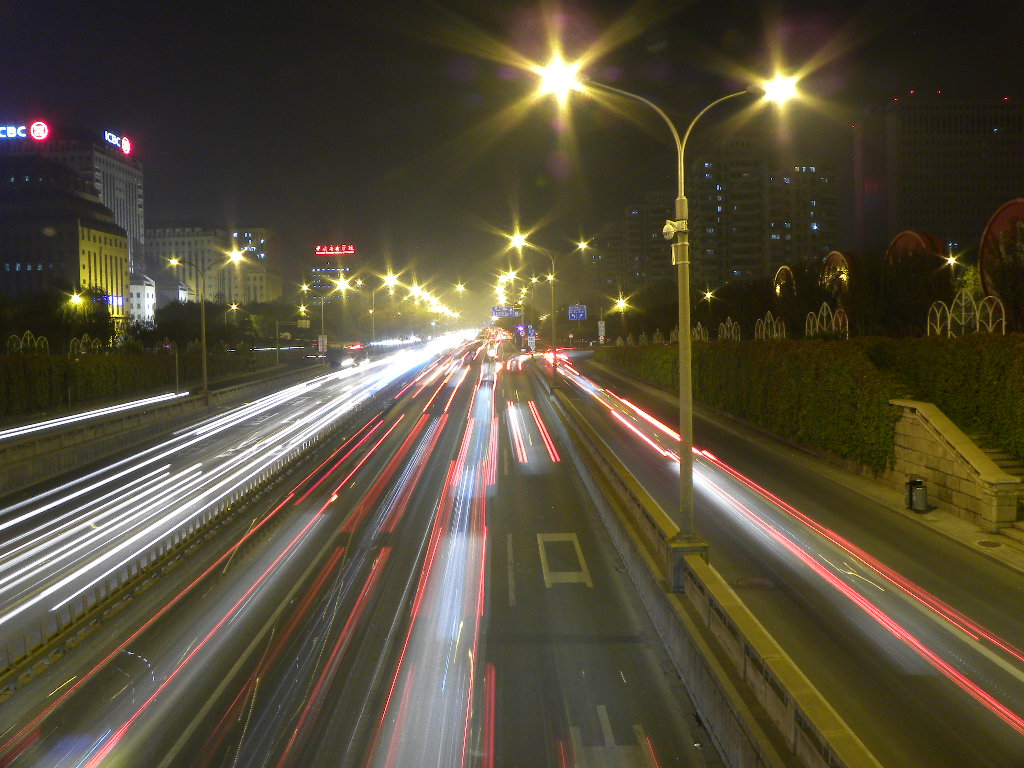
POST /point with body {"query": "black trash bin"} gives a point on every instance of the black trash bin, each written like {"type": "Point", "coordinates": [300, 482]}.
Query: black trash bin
{"type": "Point", "coordinates": [916, 495]}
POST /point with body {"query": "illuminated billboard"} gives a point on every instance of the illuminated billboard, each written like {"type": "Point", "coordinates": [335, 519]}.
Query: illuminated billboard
{"type": "Point", "coordinates": [121, 142]}
{"type": "Point", "coordinates": [335, 250]}
{"type": "Point", "coordinates": [37, 131]}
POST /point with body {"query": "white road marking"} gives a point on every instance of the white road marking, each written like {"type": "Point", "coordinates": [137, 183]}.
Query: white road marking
{"type": "Point", "coordinates": [606, 725]}
{"type": "Point", "coordinates": [562, 577]}
{"type": "Point", "coordinates": [511, 575]}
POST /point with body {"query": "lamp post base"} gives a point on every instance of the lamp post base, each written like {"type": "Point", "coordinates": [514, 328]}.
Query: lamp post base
{"type": "Point", "coordinates": [676, 550]}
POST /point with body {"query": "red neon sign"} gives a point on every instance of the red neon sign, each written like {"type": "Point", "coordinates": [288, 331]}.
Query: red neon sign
{"type": "Point", "coordinates": [39, 130]}
{"type": "Point", "coordinates": [335, 250]}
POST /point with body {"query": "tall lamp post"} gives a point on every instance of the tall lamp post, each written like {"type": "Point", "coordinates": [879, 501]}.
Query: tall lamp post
{"type": "Point", "coordinates": [560, 78]}
{"type": "Point", "coordinates": [518, 241]}
{"type": "Point", "coordinates": [235, 257]}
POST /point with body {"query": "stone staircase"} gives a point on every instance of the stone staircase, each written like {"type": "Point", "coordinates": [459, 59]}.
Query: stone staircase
{"type": "Point", "coordinates": [1011, 465]}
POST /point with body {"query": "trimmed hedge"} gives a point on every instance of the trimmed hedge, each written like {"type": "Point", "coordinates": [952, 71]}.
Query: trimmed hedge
{"type": "Point", "coordinates": [977, 380]}
{"type": "Point", "coordinates": [825, 395]}
{"type": "Point", "coordinates": [30, 383]}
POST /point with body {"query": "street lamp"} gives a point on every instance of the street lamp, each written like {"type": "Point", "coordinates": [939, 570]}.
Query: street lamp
{"type": "Point", "coordinates": [176, 262]}
{"type": "Point", "coordinates": [560, 78]}
{"type": "Point", "coordinates": [518, 241]}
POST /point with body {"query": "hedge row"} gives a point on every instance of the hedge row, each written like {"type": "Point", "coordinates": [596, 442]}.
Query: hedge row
{"type": "Point", "coordinates": [977, 380]}
{"type": "Point", "coordinates": [825, 395]}
{"type": "Point", "coordinates": [31, 382]}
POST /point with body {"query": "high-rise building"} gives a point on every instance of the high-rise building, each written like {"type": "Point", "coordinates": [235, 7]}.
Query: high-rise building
{"type": "Point", "coordinates": [103, 159]}
{"type": "Point", "coordinates": [201, 247]}
{"type": "Point", "coordinates": [751, 213]}
{"type": "Point", "coordinates": [258, 278]}
{"type": "Point", "coordinates": [55, 233]}
{"type": "Point", "coordinates": [936, 164]}
{"type": "Point", "coordinates": [646, 257]}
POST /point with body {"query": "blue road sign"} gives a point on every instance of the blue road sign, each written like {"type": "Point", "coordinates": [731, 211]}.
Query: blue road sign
{"type": "Point", "coordinates": [577, 311]}
{"type": "Point", "coordinates": [503, 311]}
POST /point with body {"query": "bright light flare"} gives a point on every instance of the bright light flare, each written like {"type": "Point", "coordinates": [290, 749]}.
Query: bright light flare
{"type": "Point", "coordinates": [559, 77]}
{"type": "Point", "coordinates": [780, 89]}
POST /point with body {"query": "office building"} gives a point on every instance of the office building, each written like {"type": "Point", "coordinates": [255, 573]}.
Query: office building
{"type": "Point", "coordinates": [56, 234]}
{"type": "Point", "coordinates": [202, 248]}
{"type": "Point", "coordinates": [103, 159]}
{"type": "Point", "coordinates": [936, 164]}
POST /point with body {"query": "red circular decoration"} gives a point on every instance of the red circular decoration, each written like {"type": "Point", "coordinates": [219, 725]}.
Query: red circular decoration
{"type": "Point", "coordinates": [910, 241]}
{"type": "Point", "coordinates": [1002, 222]}
{"type": "Point", "coordinates": [126, 145]}
{"type": "Point", "coordinates": [39, 130]}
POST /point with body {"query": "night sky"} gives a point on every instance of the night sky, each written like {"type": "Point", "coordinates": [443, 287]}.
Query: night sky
{"type": "Point", "coordinates": [376, 123]}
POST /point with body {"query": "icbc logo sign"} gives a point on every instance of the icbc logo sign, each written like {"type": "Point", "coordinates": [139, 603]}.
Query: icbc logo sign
{"type": "Point", "coordinates": [38, 131]}
{"type": "Point", "coordinates": [121, 142]}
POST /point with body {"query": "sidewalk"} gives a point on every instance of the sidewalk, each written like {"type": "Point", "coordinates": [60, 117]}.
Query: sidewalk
{"type": "Point", "coordinates": [998, 548]}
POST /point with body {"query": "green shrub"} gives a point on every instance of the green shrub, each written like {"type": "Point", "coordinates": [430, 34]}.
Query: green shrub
{"type": "Point", "coordinates": [30, 383]}
{"type": "Point", "coordinates": [825, 395]}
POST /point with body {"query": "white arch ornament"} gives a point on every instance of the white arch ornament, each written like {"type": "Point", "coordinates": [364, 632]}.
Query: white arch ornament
{"type": "Point", "coordinates": [938, 319]}
{"type": "Point", "coordinates": [991, 315]}
{"type": "Point", "coordinates": [963, 314]}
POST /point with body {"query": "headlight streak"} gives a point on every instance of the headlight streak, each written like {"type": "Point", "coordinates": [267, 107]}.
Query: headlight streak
{"type": "Point", "coordinates": [438, 656]}
{"type": "Point", "coordinates": [13, 432]}
{"type": "Point", "coordinates": [60, 524]}
{"type": "Point", "coordinates": [232, 473]}
{"type": "Point", "coordinates": [462, 377]}
{"type": "Point", "coordinates": [515, 433]}
{"type": "Point", "coordinates": [18, 740]}
{"type": "Point", "coordinates": [340, 461]}
{"type": "Point", "coordinates": [940, 613]}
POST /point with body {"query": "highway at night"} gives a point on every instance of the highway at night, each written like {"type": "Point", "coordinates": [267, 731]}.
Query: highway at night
{"type": "Point", "coordinates": [430, 590]}
{"type": "Point", "coordinates": [908, 635]}
{"type": "Point", "coordinates": [431, 586]}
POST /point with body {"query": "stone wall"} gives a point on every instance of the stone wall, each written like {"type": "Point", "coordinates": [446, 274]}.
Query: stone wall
{"type": "Point", "coordinates": [959, 477]}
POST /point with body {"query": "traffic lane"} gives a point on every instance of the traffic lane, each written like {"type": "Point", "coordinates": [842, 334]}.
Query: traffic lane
{"type": "Point", "coordinates": [573, 659]}
{"type": "Point", "coordinates": [142, 651]}
{"type": "Point", "coordinates": [292, 726]}
{"type": "Point", "coordinates": [870, 687]}
{"type": "Point", "coordinates": [61, 553]}
{"type": "Point", "coordinates": [970, 582]}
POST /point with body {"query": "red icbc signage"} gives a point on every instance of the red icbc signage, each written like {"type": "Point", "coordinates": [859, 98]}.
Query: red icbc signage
{"type": "Point", "coordinates": [335, 250]}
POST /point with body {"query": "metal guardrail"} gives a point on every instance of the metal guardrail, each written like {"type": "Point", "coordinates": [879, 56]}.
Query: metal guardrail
{"type": "Point", "coordinates": [40, 457]}
{"type": "Point", "coordinates": [707, 625]}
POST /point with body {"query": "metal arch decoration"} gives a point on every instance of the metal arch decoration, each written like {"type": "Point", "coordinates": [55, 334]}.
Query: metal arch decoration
{"type": "Point", "coordinates": [784, 283]}
{"type": "Point", "coordinates": [841, 323]}
{"type": "Point", "coordinates": [811, 325]}
{"type": "Point", "coordinates": [910, 241]}
{"type": "Point", "coordinates": [1007, 218]}
{"type": "Point", "coordinates": [729, 330]}
{"type": "Point", "coordinates": [700, 333]}
{"type": "Point", "coordinates": [991, 315]}
{"type": "Point", "coordinates": [769, 328]}
{"type": "Point", "coordinates": [938, 319]}
{"type": "Point", "coordinates": [835, 272]}
{"type": "Point", "coordinates": [963, 314]}
{"type": "Point", "coordinates": [825, 318]}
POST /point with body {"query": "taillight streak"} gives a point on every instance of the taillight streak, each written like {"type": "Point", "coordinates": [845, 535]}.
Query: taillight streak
{"type": "Point", "coordinates": [515, 433]}
{"type": "Point", "coordinates": [895, 628]}
{"type": "Point", "coordinates": [548, 442]}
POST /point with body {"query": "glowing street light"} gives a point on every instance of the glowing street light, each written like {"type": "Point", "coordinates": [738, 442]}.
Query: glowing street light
{"type": "Point", "coordinates": [76, 299]}
{"type": "Point", "coordinates": [560, 78]}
